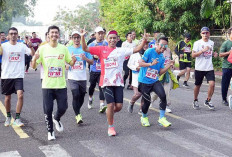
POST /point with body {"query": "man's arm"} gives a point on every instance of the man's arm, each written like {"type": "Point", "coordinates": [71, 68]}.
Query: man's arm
{"type": "Point", "coordinates": [162, 71]}
{"type": "Point", "coordinates": [83, 44]}
{"type": "Point", "coordinates": [142, 63]}
{"type": "Point", "coordinates": [72, 62]}
{"type": "Point", "coordinates": [83, 57]}
{"type": "Point", "coordinates": [34, 59]}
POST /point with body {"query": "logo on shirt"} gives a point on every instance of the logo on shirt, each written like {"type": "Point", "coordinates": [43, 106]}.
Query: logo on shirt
{"type": "Point", "coordinates": [61, 56]}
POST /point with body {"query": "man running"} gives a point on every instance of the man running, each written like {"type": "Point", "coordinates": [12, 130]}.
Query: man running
{"type": "Point", "coordinates": [53, 57]}
{"type": "Point", "coordinates": [95, 70]}
{"type": "Point", "coordinates": [111, 80]}
{"type": "Point", "coordinates": [13, 63]}
{"type": "Point", "coordinates": [203, 52]}
{"type": "Point", "coordinates": [183, 50]}
{"type": "Point", "coordinates": [152, 65]}
{"type": "Point", "coordinates": [77, 75]}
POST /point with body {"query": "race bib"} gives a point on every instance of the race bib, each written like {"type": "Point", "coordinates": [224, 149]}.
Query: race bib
{"type": "Point", "coordinates": [55, 72]}
{"type": "Point", "coordinates": [79, 65]}
{"type": "Point", "coordinates": [111, 63]}
{"type": "Point", "coordinates": [15, 57]}
{"type": "Point", "coordinates": [98, 66]}
{"type": "Point", "coordinates": [187, 49]}
{"type": "Point", "coordinates": [152, 73]}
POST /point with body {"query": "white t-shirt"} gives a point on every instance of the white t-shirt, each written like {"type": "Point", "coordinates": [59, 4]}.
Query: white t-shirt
{"type": "Point", "coordinates": [126, 44]}
{"type": "Point", "coordinates": [204, 61]}
{"type": "Point", "coordinates": [13, 60]}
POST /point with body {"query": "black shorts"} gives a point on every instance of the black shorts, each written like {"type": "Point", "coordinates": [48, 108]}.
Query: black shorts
{"type": "Point", "coordinates": [199, 76]}
{"type": "Point", "coordinates": [77, 85]}
{"type": "Point", "coordinates": [94, 77]}
{"type": "Point", "coordinates": [10, 86]}
{"type": "Point", "coordinates": [184, 65]}
{"type": "Point", "coordinates": [113, 94]}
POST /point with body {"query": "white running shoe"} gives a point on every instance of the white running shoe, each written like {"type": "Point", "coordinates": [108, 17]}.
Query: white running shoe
{"type": "Point", "coordinates": [58, 125]}
{"type": "Point", "coordinates": [18, 123]}
{"type": "Point", "coordinates": [51, 136]}
{"type": "Point", "coordinates": [168, 110]}
{"type": "Point", "coordinates": [8, 121]}
{"type": "Point", "coordinates": [90, 104]}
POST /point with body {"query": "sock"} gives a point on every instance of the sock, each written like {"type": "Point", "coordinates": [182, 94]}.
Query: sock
{"type": "Point", "coordinates": [208, 99]}
{"type": "Point", "coordinates": [90, 99]}
{"type": "Point", "coordinates": [8, 114]}
{"type": "Point", "coordinates": [162, 113]}
{"type": "Point", "coordinates": [185, 82]}
{"type": "Point", "coordinates": [178, 77]}
{"type": "Point", "coordinates": [102, 104]}
{"type": "Point", "coordinates": [144, 115]}
{"type": "Point", "coordinates": [196, 100]}
{"type": "Point", "coordinates": [111, 126]}
{"type": "Point", "coordinates": [17, 116]}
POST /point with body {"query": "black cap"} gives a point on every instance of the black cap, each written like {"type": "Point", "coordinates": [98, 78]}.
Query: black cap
{"type": "Point", "coordinates": [187, 35]}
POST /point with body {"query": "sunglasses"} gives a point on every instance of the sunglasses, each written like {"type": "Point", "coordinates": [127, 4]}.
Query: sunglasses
{"type": "Point", "coordinates": [76, 38]}
{"type": "Point", "coordinates": [162, 45]}
{"type": "Point", "coordinates": [13, 33]}
{"type": "Point", "coordinates": [205, 33]}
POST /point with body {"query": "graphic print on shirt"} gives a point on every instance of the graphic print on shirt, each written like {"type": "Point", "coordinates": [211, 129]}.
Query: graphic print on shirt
{"type": "Point", "coordinates": [152, 73]}
{"type": "Point", "coordinates": [98, 65]}
{"type": "Point", "coordinates": [207, 54]}
{"type": "Point", "coordinates": [111, 62]}
{"type": "Point", "coordinates": [14, 57]}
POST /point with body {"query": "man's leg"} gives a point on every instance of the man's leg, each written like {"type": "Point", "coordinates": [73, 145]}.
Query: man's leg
{"type": "Point", "coordinates": [19, 101]}
{"type": "Point", "coordinates": [226, 77]}
{"type": "Point", "coordinates": [182, 70]}
{"type": "Point", "coordinates": [187, 74]}
{"type": "Point", "coordinates": [199, 76]}
{"type": "Point", "coordinates": [196, 91]}
{"type": "Point", "coordinates": [211, 89]}
{"type": "Point", "coordinates": [93, 82]}
{"type": "Point", "coordinates": [62, 103]}
{"type": "Point", "coordinates": [7, 103]}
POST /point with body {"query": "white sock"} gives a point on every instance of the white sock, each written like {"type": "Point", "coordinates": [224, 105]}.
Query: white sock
{"type": "Point", "coordinates": [90, 99]}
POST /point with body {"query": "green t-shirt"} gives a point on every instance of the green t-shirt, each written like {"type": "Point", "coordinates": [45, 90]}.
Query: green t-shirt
{"type": "Point", "coordinates": [53, 62]}
{"type": "Point", "coordinates": [226, 47]}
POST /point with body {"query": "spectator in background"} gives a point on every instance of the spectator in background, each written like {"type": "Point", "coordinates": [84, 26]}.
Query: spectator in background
{"type": "Point", "coordinates": [27, 57]}
{"type": "Point", "coordinates": [152, 43]}
{"type": "Point", "coordinates": [35, 41]}
{"type": "Point", "coordinates": [92, 38]}
{"type": "Point", "coordinates": [136, 41]}
{"type": "Point", "coordinates": [119, 43]}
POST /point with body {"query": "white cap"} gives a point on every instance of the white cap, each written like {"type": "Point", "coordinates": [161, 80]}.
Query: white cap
{"type": "Point", "coordinates": [76, 32]}
{"type": "Point", "coordinates": [99, 29]}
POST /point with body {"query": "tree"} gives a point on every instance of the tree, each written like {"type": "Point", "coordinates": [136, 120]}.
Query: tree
{"type": "Point", "coordinates": [84, 16]}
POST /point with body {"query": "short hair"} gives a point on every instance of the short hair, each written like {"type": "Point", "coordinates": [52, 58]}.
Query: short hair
{"type": "Point", "coordinates": [2, 32]}
{"type": "Point", "coordinates": [53, 27]}
{"type": "Point", "coordinates": [229, 30]}
{"type": "Point", "coordinates": [104, 30]}
{"type": "Point", "coordinates": [13, 29]}
{"type": "Point", "coordinates": [163, 38]}
{"type": "Point", "coordinates": [46, 34]}
{"type": "Point", "coordinates": [128, 34]}
{"type": "Point", "coordinates": [33, 33]}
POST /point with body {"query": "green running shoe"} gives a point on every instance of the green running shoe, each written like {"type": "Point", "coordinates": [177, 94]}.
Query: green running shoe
{"type": "Point", "coordinates": [145, 121]}
{"type": "Point", "coordinates": [163, 122]}
{"type": "Point", "coordinates": [79, 119]}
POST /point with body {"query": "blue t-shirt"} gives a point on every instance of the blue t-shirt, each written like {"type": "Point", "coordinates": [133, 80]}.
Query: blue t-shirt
{"type": "Point", "coordinates": [152, 44]}
{"type": "Point", "coordinates": [78, 71]}
{"type": "Point", "coordinates": [96, 63]}
{"type": "Point", "coordinates": [1, 55]}
{"type": "Point", "coordinates": [149, 75]}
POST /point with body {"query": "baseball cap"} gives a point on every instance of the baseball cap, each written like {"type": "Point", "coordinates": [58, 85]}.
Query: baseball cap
{"type": "Point", "coordinates": [99, 29]}
{"type": "Point", "coordinates": [76, 32]}
{"type": "Point", "coordinates": [204, 29]}
{"type": "Point", "coordinates": [112, 32]}
{"type": "Point", "coordinates": [187, 35]}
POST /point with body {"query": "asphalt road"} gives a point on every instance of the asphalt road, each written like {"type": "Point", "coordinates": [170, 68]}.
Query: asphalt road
{"type": "Point", "coordinates": [193, 132]}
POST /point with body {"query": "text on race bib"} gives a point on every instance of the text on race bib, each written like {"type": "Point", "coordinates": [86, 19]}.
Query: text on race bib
{"type": "Point", "coordinates": [15, 57]}
{"type": "Point", "coordinates": [152, 73]}
{"type": "Point", "coordinates": [79, 65]}
{"type": "Point", "coordinates": [98, 66]}
{"type": "Point", "coordinates": [55, 72]}
{"type": "Point", "coordinates": [187, 49]}
{"type": "Point", "coordinates": [111, 63]}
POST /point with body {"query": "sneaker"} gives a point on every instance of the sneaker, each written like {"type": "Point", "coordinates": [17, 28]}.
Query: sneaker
{"type": "Point", "coordinates": [130, 108]}
{"type": "Point", "coordinates": [230, 101]}
{"type": "Point", "coordinates": [163, 122]}
{"type": "Point", "coordinates": [90, 104]}
{"type": "Point", "coordinates": [225, 102]}
{"type": "Point", "coordinates": [209, 105]}
{"type": "Point", "coordinates": [140, 112]}
{"type": "Point", "coordinates": [145, 121]}
{"type": "Point", "coordinates": [102, 108]}
{"type": "Point", "coordinates": [129, 87]}
{"type": "Point", "coordinates": [168, 110]}
{"type": "Point", "coordinates": [58, 125]}
{"type": "Point", "coordinates": [26, 72]}
{"type": "Point", "coordinates": [79, 119]}
{"type": "Point", "coordinates": [18, 123]}
{"type": "Point", "coordinates": [185, 84]}
{"type": "Point", "coordinates": [111, 131]}
{"type": "Point", "coordinates": [51, 136]}
{"type": "Point", "coordinates": [8, 121]}
{"type": "Point", "coordinates": [195, 105]}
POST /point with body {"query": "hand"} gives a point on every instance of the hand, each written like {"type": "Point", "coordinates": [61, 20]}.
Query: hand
{"type": "Point", "coordinates": [205, 49]}
{"type": "Point", "coordinates": [138, 68]}
{"type": "Point", "coordinates": [215, 54]}
{"type": "Point", "coordinates": [83, 32]}
{"type": "Point", "coordinates": [29, 43]}
{"type": "Point", "coordinates": [83, 57]}
{"type": "Point", "coordinates": [171, 62]}
{"type": "Point", "coordinates": [154, 62]}
{"type": "Point", "coordinates": [145, 35]}
{"type": "Point", "coordinates": [74, 59]}
{"type": "Point", "coordinates": [36, 56]}
{"type": "Point", "coordinates": [181, 55]}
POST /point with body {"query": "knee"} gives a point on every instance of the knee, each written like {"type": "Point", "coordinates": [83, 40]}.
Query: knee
{"type": "Point", "coordinates": [20, 96]}
{"type": "Point", "coordinates": [75, 94]}
{"type": "Point", "coordinates": [118, 107]}
{"type": "Point", "coordinates": [212, 84]}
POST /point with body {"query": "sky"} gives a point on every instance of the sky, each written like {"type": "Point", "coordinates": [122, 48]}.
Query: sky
{"type": "Point", "coordinates": [45, 10]}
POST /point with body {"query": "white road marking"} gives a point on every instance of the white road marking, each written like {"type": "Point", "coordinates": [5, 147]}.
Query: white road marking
{"type": "Point", "coordinates": [54, 150]}
{"type": "Point", "coordinates": [10, 154]}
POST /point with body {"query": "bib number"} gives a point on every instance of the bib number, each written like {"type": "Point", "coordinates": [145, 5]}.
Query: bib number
{"type": "Point", "coordinates": [98, 66]}
{"type": "Point", "coordinates": [55, 72]}
{"type": "Point", "coordinates": [152, 73]}
{"type": "Point", "coordinates": [187, 49]}
{"type": "Point", "coordinates": [111, 63]}
{"type": "Point", "coordinates": [79, 65]}
{"type": "Point", "coordinates": [14, 57]}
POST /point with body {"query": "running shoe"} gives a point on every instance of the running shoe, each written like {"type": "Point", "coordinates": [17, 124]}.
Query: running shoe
{"type": "Point", "coordinates": [185, 84]}
{"type": "Point", "coordinates": [195, 105]}
{"type": "Point", "coordinates": [8, 121]}
{"type": "Point", "coordinates": [209, 104]}
{"type": "Point", "coordinates": [90, 104]}
{"type": "Point", "coordinates": [102, 108]}
{"type": "Point", "coordinates": [79, 119]}
{"type": "Point", "coordinates": [51, 136]}
{"type": "Point", "coordinates": [225, 102]}
{"type": "Point", "coordinates": [130, 108]}
{"type": "Point", "coordinates": [18, 123]}
{"type": "Point", "coordinates": [163, 122]}
{"type": "Point", "coordinates": [58, 125]}
{"type": "Point", "coordinates": [140, 112]}
{"type": "Point", "coordinates": [168, 110]}
{"type": "Point", "coordinates": [145, 121]}
{"type": "Point", "coordinates": [111, 131]}
{"type": "Point", "coordinates": [230, 101]}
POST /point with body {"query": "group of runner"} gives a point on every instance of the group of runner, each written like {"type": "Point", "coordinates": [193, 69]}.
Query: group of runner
{"type": "Point", "coordinates": [149, 64]}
